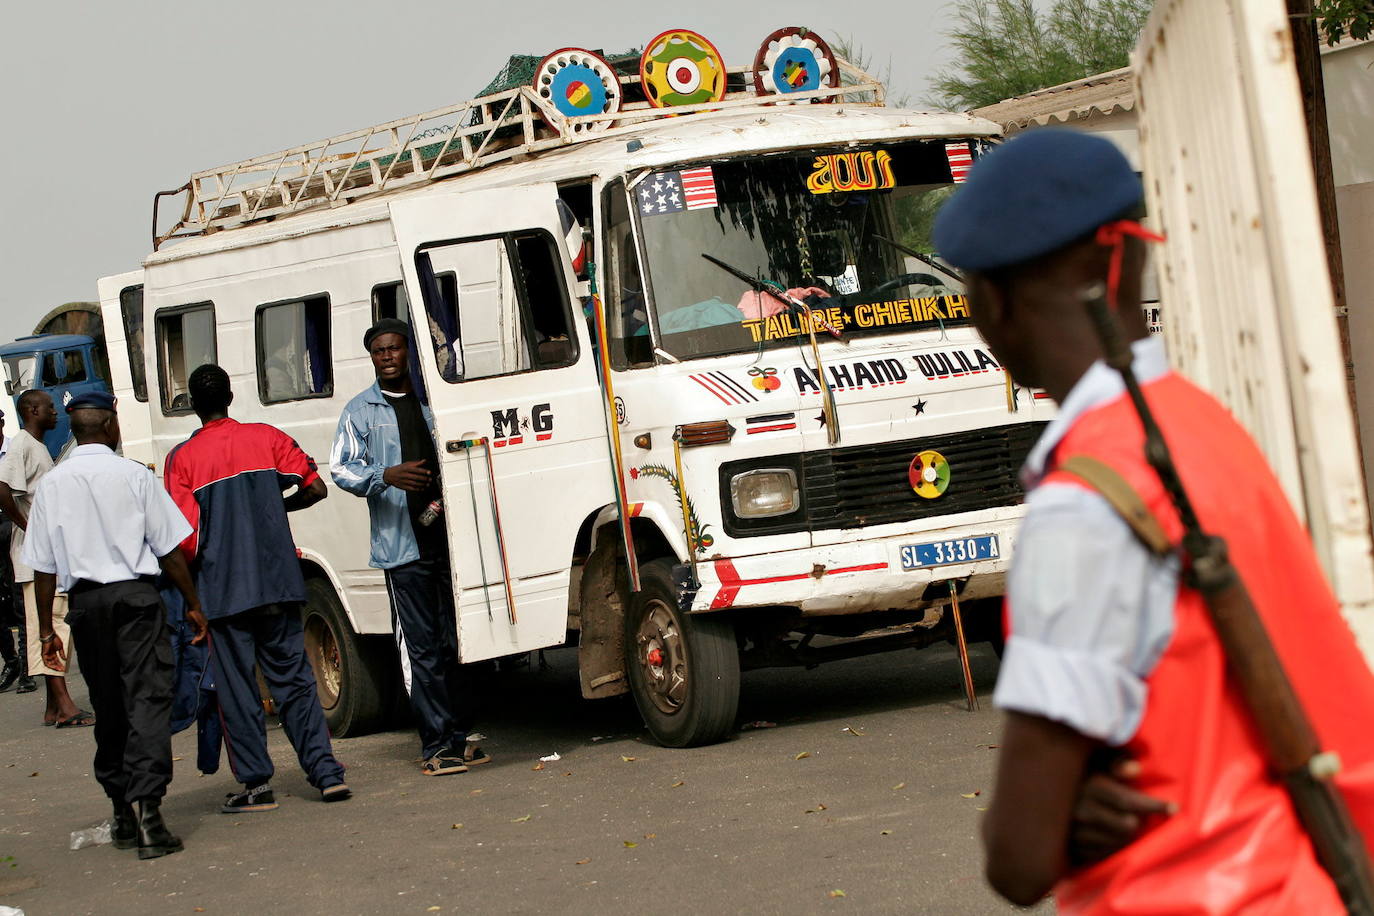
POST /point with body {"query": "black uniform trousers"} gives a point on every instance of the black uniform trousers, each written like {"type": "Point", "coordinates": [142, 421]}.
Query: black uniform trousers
{"type": "Point", "coordinates": [125, 654]}
{"type": "Point", "coordinates": [10, 599]}
{"type": "Point", "coordinates": [426, 628]}
{"type": "Point", "coordinates": [270, 636]}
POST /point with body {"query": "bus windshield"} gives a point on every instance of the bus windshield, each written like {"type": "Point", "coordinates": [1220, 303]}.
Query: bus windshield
{"type": "Point", "coordinates": [847, 231]}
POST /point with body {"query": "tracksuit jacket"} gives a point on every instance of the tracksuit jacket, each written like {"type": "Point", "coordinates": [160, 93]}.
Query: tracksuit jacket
{"type": "Point", "coordinates": [366, 443]}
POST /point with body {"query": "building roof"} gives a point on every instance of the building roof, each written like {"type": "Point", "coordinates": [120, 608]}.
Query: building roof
{"type": "Point", "coordinates": [1102, 93]}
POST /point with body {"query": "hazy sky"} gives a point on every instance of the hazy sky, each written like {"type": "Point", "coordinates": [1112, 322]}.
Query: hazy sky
{"type": "Point", "coordinates": [107, 102]}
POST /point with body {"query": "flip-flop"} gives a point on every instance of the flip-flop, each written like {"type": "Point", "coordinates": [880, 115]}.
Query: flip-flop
{"type": "Point", "coordinates": [79, 720]}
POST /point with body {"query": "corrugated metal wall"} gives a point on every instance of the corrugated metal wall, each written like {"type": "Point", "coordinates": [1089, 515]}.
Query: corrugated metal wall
{"type": "Point", "coordinates": [1247, 299]}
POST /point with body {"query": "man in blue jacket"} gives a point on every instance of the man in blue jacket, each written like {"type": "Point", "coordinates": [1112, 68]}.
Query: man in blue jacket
{"type": "Point", "coordinates": [384, 450]}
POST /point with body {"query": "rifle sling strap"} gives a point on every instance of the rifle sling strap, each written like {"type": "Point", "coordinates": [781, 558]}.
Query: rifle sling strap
{"type": "Point", "coordinates": [1122, 497]}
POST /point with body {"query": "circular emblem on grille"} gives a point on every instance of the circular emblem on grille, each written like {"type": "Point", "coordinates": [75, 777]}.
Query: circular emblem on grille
{"type": "Point", "coordinates": [929, 474]}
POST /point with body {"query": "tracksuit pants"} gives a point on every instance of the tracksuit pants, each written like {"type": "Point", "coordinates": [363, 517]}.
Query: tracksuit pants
{"type": "Point", "coordinates": [125, 654]}
{"type": "Point", "coordinates": [426, 628]}
{"type": "Point", "coordinates": [270, 636]}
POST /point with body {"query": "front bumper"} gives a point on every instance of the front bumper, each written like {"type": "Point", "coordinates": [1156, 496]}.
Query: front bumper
{"type": "Point", "coordinates": [853, 577]}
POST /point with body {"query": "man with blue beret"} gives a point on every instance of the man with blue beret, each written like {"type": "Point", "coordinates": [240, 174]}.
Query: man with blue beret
{"type": "Point", "coordinates": [1112, 661]}
{"type": "Point", "coordinates": [102, 527]}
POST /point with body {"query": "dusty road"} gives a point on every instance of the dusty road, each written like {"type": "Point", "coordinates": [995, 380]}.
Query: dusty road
{"type": "Point", "coordinates": [861, 788]}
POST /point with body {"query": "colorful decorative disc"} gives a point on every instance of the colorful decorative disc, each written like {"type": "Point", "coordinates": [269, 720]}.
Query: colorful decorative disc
{"type": "Point", "coordinates": [579, 82]}
{"type": "Point", "coordinates": [793, 60]}
{"type": "Point", "coordinates": [680, 67]}
{"type": "Point", "coordinates": [929, 474]}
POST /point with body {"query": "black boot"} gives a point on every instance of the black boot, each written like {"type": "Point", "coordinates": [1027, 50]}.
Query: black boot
{"type": "Point", "coordinates": [154, 839]}
{"type": "Point", "coordinates": [9, 675]}
{"type": "Point", "coordinates": [124, 827]}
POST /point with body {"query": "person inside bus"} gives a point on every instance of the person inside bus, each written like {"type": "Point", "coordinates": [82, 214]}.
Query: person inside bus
{"type": "Point", "coordinates": [384, 451]}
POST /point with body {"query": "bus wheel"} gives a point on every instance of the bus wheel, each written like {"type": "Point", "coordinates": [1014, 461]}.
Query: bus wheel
{"type": "Point", "coordinates": [350, 670]}
{"type": "Point", "coordinates": [684, 669]}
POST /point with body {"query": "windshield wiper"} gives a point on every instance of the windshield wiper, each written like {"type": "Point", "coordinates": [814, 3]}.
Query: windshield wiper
{"type": "Point", "coordinates": [947, 271]}
{"type": "Point", "coordinates": [828, 410]}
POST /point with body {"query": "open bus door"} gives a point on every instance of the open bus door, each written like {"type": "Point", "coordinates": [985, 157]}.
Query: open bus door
{"type": "Point", "coordinates": [519, 419]}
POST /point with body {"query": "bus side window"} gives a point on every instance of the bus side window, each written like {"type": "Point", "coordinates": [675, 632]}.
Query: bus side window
{"type": "Point", "coordinates": [507, 312]}
{"type": "Point", "coordinates": [131, 309]}
{"type": "Point", "coordinates": [390, 300]}
{"type": "Point", "coordinates": [185, 341]}
{"type": "Point", "coordinates": [545, 298]}
{"type": "Point", "coordinates": [294, 357]}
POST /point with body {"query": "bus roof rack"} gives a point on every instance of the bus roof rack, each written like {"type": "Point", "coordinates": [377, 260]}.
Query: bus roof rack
{"type": "Point", "coordinates": [434, 145]}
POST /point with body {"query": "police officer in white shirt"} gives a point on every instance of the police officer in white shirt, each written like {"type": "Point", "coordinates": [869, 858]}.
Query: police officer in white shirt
{"type": "Point", "coordinates": [101, 527]}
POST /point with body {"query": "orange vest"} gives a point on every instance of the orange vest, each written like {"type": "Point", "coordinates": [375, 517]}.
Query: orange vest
{"type": "Point", "coordinates": [1235, 846]}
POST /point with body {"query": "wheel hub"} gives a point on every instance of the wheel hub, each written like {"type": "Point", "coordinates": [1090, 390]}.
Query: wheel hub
{"type": "Point", "coordinates": [323, 650]}
{"type": "Point", "coordinates": [663, 658]}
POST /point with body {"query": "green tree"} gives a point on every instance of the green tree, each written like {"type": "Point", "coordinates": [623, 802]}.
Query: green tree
{"type": "Point", "coordinates": [1008, 48]}
{"type": "Point", "coordinates": [1336, 18]}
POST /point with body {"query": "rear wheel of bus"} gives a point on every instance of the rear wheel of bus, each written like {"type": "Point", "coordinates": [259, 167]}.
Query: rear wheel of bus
{"type": "Point", "coordinates": [352, 674]}
{"type": "Point", "coordinates": [683, 668]}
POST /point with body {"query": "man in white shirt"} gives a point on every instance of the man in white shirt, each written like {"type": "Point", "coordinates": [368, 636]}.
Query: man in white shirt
{"type": "Point", "coordinates": [101, 528]}
{"type": "Point", "coordinates": [22, 468]}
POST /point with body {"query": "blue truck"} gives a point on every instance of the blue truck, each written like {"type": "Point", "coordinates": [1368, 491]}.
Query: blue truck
{"type": "Point", "coordinates": [63, 365]}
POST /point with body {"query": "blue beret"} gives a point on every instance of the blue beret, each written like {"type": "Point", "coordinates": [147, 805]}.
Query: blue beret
{"type": "Point", "coordinates": [1032, 195]}
{"type": "Point", "coordinates": [100, 400]}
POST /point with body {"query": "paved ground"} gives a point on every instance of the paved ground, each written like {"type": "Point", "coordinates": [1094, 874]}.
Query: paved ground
{"type": "Point", "coordinates": [878, 808]}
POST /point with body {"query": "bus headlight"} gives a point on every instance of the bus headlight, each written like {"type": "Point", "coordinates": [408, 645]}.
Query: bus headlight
{"type": "Point", "coordinates": [764, 493]}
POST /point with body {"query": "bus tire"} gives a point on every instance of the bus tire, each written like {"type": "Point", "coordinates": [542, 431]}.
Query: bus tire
{"type": "Point", "coordinates": [352, 676]}
{"type": "Point", "coordinates": [683, 668]}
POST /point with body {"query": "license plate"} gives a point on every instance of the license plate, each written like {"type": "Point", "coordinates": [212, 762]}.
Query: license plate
{"type": "Point", "coordinates": [943, 553]}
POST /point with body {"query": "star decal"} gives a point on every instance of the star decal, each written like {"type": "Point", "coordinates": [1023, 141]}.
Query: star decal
{"type": "Point", "coordinates": [919, 407]}
{"type": "Point", "coordinates": [820, 418]}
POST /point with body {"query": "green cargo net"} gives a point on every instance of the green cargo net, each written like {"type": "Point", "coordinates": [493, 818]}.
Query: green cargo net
{"type": "Point", "coordinates": [518, 71]}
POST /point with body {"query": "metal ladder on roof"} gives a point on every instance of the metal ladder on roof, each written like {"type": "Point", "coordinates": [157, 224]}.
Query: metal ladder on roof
{"type": "Point", "coordinates": [428, 147]}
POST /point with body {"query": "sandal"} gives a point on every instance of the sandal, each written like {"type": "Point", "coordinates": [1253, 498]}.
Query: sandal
{"type": "Point", "coordinates": [80, 719]}
{"type": "Point", "coordinates": [475, 756]}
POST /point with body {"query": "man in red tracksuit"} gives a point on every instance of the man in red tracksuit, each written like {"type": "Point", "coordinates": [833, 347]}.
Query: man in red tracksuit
{"type": "Point", "coordinates": [228, 480]}
{"type": "Point", "coordinates": [1110, 652]}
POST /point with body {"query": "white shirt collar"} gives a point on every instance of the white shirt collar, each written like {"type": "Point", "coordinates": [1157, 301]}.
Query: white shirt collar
{"type": "Point", "coordinates": [1099, 385]}
{"type": "Point", "coordinates": [93, 448]}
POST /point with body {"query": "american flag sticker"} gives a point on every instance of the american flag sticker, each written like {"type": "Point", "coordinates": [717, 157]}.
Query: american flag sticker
{"type": "Point", "coordinates": [699, 188]}
{"type": "Point", "coordinates": [673, 192]}
{"type": "Point", "coordinates": [960, 161]}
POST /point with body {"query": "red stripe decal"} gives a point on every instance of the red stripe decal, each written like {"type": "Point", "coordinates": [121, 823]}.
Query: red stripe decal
{"type": "Point", "coordinates": [715, 388]}
{"type": "Point", "coordinates": [731, 583]}
{"type": "Point", "coordinates": [770, 429]}
{"type": "Point", "coordinates": [543, 437]}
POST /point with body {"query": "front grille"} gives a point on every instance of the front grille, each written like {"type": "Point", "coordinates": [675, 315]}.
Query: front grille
{"type": "Point", "coordinates": [869, 485]}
